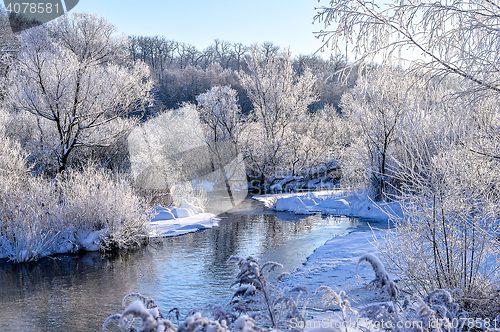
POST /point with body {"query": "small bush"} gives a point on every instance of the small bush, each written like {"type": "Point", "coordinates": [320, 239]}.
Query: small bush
{"type": "Point", "coordinates": [87, 209]}
{"type": "Point", "coordinates": [96, 200]}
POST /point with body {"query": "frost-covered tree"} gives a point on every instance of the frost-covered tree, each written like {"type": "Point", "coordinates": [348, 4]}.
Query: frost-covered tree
{"type": "Point", "coordinates": [8, 46]}
{"type": "Point", "coordinates": [458, 38]}
{"type": "Point", "coordinates": [74, 77]}
{"type": "Point", "coordinates": [220, 111]}
{"type": "Point", "coordinates": [157, 52]}
{"type": "Point", "coordinates": [221, 115]}
{"type": "Point", "coordinates": [167, 153]}
{"type": "Point", "coordinates": [280, 98]}
{"type": "Point", "coordinates": [376, 107]}
{"type": "Point", "coordinates": [239, 52]}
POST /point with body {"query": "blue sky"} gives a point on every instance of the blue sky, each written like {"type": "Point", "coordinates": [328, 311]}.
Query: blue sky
{"type": "Point", "coordinates": [287, 23]}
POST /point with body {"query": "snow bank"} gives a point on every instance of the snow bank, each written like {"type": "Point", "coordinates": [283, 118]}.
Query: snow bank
{"type": "Point", "coordinates": [336, 202]}
{"type": "Point", "coordinates": [334, 264]}
{"type": "Point", "coordinates": [182, 220]}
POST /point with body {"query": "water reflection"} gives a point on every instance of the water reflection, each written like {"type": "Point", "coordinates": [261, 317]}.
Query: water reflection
{"type": "Point", "coordinates": [77, 292]}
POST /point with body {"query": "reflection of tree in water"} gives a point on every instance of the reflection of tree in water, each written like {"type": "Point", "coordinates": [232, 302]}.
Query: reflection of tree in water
{"type": "Point", "coordinates": [279, 231]}
{"type": "Point", "coordinates": [235, 237]}
{"type": "Point", "coordinates": [227, 240]}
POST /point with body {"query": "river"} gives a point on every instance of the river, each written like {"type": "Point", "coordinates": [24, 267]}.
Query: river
{"type": "Point", "coordinates": [77, 292]}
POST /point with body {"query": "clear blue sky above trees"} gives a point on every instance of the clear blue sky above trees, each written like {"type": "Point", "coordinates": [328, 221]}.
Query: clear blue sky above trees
{"type": "Point", "coordinates": [287, 23]}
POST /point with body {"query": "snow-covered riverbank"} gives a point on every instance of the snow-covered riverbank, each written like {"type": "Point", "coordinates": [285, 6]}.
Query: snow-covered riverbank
{"type": "Point", "coordinates": [178, 221]}
{"type": "Point", "coordinates": [335, 202]}
{"type": "Point", "coordinates": [334, 265]}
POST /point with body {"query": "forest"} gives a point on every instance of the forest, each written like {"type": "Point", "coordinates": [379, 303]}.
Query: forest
{"type": "Point", "coordinates": [420, 133]}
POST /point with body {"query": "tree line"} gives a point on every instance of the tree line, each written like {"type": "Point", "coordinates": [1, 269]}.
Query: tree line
{"type": "Point", "coordinates": [182, 72]}
{"type": "Point", "coordinates": [72, 91]}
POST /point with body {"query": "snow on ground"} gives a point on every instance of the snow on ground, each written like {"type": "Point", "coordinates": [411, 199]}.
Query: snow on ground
{"type": "Point", "coordinates": [178, 221]}
{"type": "Point", "coordinates": [334, 265]}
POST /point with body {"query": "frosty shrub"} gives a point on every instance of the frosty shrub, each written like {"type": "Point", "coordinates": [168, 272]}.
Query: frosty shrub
{"type": "Point", "coordinates": [143, 315]}
{"type": "Point", "coordinates": [436, 311]}
{"type": "Point", "coordinates": [382, 279]}
{"type": "Point", "coordinates": [448, 235]}
{"type": "Point", "coordinates": [29, 214]}
{"type": "Point", "coordinates": [96, 200]}
{"type": "Point", "coordinates": [331, 297]}
{"type": "Point", "coordinates": [262, 300]}
{"type": "Point", "coordinates": [186, 192]}
{"type": "Point", "coordinates": [88, 209]}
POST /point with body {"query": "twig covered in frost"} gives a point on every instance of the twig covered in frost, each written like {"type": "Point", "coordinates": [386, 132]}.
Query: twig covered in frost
{"type": "Point", "coordinates": [150, 320]}
{"type": "Point", "coordinates": [382, 279]}
{"type": "Point", "coordinates": [331, 297]}
{"type": "Point", "coordinates": [261, 299]}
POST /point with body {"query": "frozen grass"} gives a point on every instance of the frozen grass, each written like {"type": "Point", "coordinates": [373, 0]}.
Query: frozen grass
{"type": "Point", "coordinates": [266, 302]}
{"type": "Point", "coordinates": [96, 200]}
{"type": "Point", "coordinates": [259, 306]}
{"type": "Point", "coordinates": [88, 209]}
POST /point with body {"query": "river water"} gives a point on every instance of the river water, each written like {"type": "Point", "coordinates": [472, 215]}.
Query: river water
{"type": "Point", "coordinates": [77, 292]}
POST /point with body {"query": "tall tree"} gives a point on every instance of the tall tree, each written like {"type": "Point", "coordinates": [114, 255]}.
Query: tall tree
{"type": "Point", "coordinates": [457, 37]}
{"type": "Point", "coordinates": [74, 76]}
{"type": "Point", "coordinates": [375, 108]}
{"type": "Point", "coordinates": [280, 98]}
{"type": "Point", "coordinates": [221, 114]}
